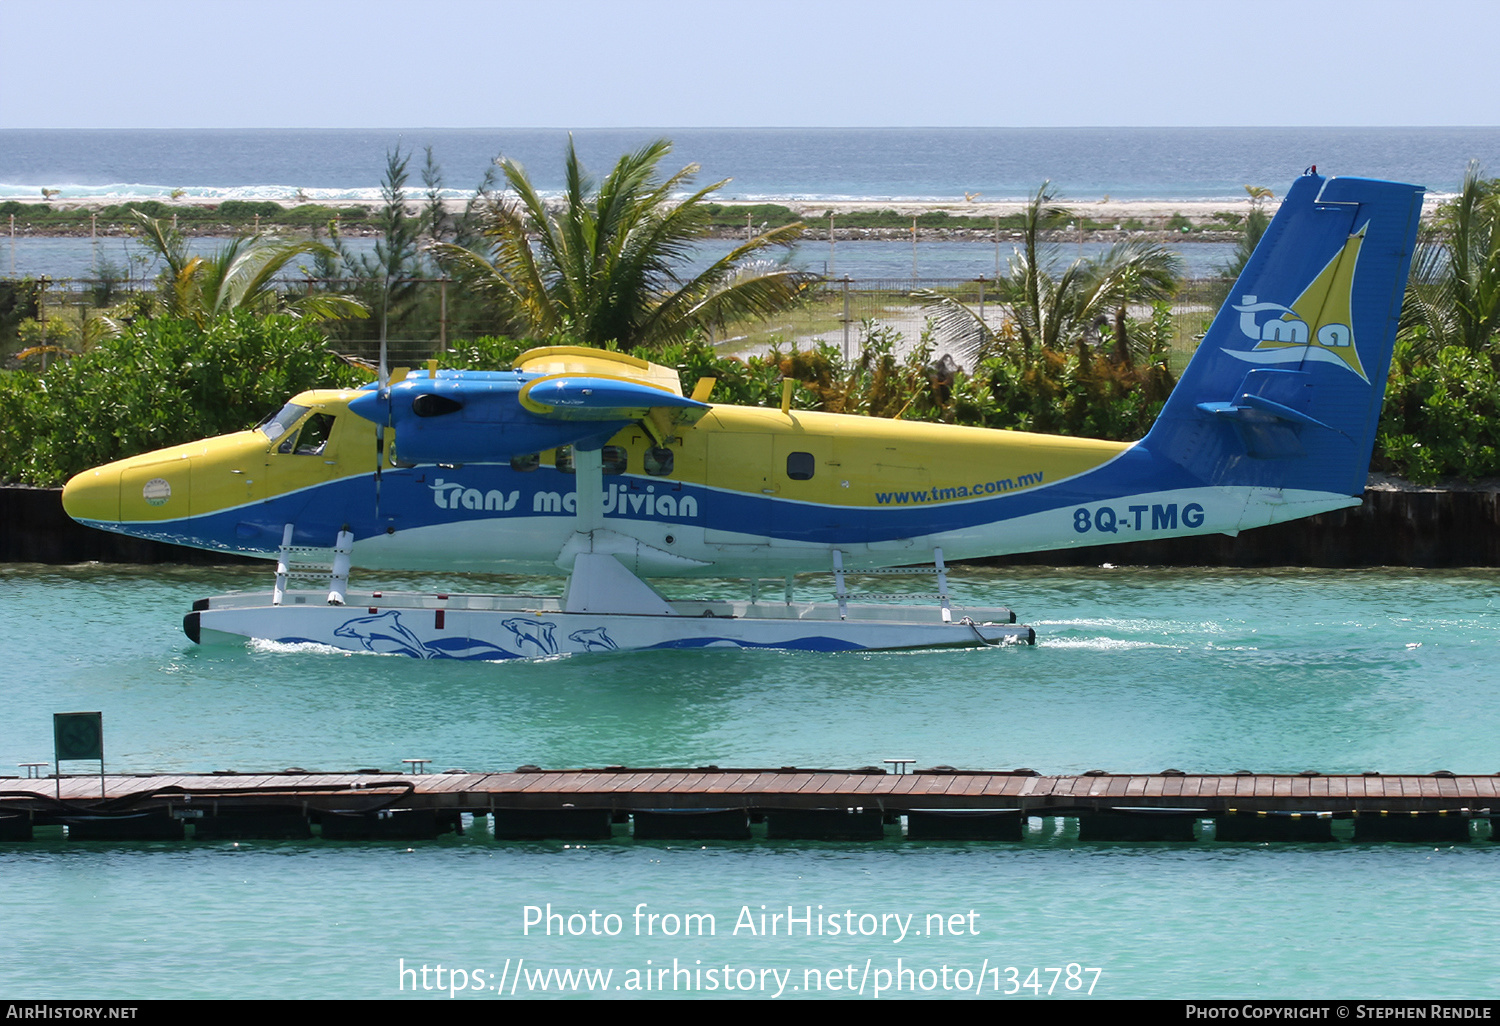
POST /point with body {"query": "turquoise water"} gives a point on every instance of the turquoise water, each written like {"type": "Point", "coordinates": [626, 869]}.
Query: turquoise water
{"type": "Point", "coordinates": [1134, 670]}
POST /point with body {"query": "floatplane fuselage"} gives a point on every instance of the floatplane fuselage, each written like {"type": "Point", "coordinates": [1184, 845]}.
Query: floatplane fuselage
{"type": "Point", "coordinates": [582, 453]}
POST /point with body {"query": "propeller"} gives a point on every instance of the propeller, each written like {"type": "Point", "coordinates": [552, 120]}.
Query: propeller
{"type": "Point", "coordinates": [383, 385]}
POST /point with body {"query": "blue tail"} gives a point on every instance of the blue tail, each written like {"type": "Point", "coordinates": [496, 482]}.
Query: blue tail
{"type": "Point", "coordinates": [1285, 389]}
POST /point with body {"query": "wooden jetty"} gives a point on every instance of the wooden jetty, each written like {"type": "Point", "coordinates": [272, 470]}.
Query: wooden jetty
{"type": "Point", "coordinates": [938, 803]}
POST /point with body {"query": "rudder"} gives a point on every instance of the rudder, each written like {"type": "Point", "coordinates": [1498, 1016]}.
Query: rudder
{"type": "Point", "coordinates": [1286, 388]}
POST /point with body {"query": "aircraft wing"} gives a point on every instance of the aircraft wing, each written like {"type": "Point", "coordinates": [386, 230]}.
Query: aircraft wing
{"type": "Point", "coordinates": [588, 398]}
{"type": "Point", "coordinates": [556, 396]}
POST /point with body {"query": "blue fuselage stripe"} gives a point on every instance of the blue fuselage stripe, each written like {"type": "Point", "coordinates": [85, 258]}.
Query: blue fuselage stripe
{"type": "Point", "coordinates": [430, 497]}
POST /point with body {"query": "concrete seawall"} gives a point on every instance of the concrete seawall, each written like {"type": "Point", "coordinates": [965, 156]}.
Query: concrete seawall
{"type": "Point", "coordinates": [34, 529]}
{"type": "Point", "coordinates": [1431, 528]}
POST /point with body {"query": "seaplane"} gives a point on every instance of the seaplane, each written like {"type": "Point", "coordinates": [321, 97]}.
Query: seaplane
{"type": "Point", "coordinates": [599, 466]}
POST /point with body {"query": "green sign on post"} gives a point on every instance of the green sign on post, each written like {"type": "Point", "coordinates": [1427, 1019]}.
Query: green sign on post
{"type": "Point", "coordinates": [78, 735]}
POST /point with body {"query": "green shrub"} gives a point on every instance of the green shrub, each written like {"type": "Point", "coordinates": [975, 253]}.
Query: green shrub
{"type": "Point", "coordinates": [1441, 416]}
{"type": "Point", "coordinates": [162, 382]}
{"type": "Point", "coordinates": [245, 210]}
{"type": "Point", "coordinates": [317, 215]}
{"type": "Point", "coordinates": [768, 215]}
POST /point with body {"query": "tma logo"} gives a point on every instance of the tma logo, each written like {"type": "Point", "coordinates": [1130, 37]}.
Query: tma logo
{"type": "Point", "coordinates": [1317, 326]}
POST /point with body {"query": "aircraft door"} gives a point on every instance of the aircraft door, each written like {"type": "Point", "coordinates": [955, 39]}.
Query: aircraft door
{"type": "Point", "coordinates": [305, 455]}
{"type": "Point", "coordinates": [809, 485]}
{"type": "Point", "coordinates": [737, 470]}
{"type": "Point", "coordinates": [781, 487]}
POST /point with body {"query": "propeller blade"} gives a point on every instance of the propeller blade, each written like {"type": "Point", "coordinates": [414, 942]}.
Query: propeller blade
{"type": "Point", "coordinates": [384, 380]}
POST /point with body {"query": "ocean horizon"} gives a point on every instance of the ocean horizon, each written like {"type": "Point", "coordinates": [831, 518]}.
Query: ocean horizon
{"type": "Point", "coordinates": [762, 164]}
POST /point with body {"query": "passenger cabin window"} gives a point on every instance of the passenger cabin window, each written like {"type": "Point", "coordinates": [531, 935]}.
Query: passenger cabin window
{"type": "Point", "coordinates": [525, 464]}
{"type": "Point", "coordinates": [658, 461]}
{"type": "Point", "coordinates": [799, 466]}
{"type": "Point", "coordinates": [615, 458]}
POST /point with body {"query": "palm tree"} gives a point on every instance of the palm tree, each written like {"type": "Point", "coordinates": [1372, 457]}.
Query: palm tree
{"type": "Point", "coordinates": [1454, 291]}
{"type": "Point", "coordinates": [1257, 220]}
{"type": "Point", "coordinates": [1055, 311]}
{"type": "Point", "coordinates": [606, 264]}
{"type": "Point", "coordinates": [240, 276]}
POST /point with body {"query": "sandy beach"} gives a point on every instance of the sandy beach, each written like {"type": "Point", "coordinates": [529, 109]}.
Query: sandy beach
{"type": "Point", "coordinates": [1105, 209]}
{"type": "Point", "coordinates": [1151, 220]}
{"type": "Point", "coordinates": [1095, 210]}
{"type": "Point", "coordinates": [1135, 218]}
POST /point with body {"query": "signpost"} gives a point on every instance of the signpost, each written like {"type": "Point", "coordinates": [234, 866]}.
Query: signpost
{"type": "Point", "coordinates": [78, 736]}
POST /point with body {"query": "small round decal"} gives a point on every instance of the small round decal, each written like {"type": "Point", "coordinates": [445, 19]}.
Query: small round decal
{"type": "Point", "coordinates": [157, 491]}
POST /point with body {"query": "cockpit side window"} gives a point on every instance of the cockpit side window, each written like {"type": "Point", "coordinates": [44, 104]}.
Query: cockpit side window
{"type": "Point", "coordinates": [307, 438]}
{"type": "Point", "coordinates": [314, 435]}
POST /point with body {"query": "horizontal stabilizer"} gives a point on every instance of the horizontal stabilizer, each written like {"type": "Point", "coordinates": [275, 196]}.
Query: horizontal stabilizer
{"type": "Point", "coordinates": [1253, 408]}
{"type": "Point", "coordinates": [1269, 413]}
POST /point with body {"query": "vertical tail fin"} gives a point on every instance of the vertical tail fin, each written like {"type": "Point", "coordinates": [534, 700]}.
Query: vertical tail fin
{"type": "Point", "coordinates": [1286, 387]}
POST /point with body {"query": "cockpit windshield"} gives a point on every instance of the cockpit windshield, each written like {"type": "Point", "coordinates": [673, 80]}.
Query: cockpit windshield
{"type": "Point", "coordinates": [274, 427]}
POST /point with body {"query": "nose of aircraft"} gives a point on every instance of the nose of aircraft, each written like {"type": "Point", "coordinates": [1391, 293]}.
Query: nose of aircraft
{"type": "Point", "coordinates": [140, 489]}
{"type": "Point", "coordinates": [94, 495]}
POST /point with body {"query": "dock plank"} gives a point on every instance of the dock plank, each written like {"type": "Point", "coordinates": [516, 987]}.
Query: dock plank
{"type": "Point", "coordinates": [624, 789]}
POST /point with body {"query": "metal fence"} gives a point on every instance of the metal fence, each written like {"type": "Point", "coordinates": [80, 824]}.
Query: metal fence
{"type": "Point", "coordinates": [841, 312]}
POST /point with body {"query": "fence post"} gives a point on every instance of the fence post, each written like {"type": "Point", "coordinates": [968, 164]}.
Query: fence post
{"type": "Point", "coordinates": [41, 314]}
{"type": "Point", "coordinates": [831, 264]}
{"type": "Point", "coordinates": [443, 315]}
{"type": "Point", "coordinates": [846, 318]}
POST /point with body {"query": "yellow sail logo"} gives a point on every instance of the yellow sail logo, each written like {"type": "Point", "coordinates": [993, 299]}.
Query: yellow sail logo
{"type": "Point", "coordinates": [1317, 326]}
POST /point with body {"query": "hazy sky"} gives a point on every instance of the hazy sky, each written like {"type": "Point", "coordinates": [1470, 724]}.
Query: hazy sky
{"type": "Point", "coordinates": [701, 63]}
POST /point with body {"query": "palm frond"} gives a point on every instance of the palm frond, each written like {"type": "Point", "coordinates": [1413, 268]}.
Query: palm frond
{"type": "Point", "coordinates": [960, 328]}
{"type": "Point", "coordinates": [1051, 309]}
{"type": "Point", "coordinates": [1454, 289]}
{"type": "Point", "coordinates": [608, 259]}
